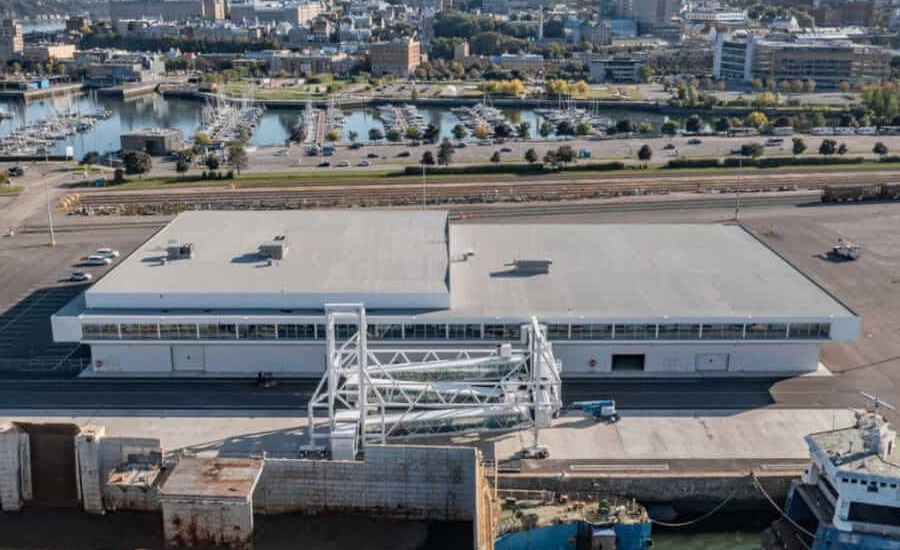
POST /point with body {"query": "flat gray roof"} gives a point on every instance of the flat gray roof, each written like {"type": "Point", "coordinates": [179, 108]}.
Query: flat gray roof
{"type": "Point", "coordinates": [330, 253]}
{"type": "Point", "coordinates": [627, 271]}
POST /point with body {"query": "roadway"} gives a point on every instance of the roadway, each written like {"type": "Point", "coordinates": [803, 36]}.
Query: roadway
{"type": "Point", "coordinates": [243, 394]}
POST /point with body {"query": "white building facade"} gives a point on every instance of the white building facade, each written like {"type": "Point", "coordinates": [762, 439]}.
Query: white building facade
{"type": "Point", "coordinates": [236, 293]}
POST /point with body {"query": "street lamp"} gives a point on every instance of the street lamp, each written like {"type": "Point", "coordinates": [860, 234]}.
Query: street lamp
{"type": "Point", "coordinates": [47, 198]}
{"type": "Point", "coordinates": [737, 202]}
{"type": "Point", "coordinates": [424, 188]}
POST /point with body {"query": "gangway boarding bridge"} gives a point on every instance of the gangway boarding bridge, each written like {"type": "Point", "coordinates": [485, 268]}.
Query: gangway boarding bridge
{"type": "Point", "coordinates": [371, 394]}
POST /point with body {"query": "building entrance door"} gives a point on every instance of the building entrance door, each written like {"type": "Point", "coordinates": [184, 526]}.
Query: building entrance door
{"type": "Point", "coordinates": [188, 358]}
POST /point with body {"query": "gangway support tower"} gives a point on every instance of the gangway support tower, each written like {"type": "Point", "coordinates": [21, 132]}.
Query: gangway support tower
{"type": "Point", "coordinates": [372, 394]}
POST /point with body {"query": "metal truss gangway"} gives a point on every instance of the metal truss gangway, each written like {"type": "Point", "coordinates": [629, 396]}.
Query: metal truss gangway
{"type": "Point", "coordinates": [370, 394]}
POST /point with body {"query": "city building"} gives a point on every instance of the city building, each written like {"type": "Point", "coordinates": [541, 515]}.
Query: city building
{"type": "Point", "coordinates": [828, 61]}
{"type": "Point", "coordinates": [12, 41]}
{"type": "Point", "coordinates": [399, 58]}
{"type": "Point", "coordinates": [121, 68]}
{"type": "Point", "coordinates": [653, 12]}
{"type": "Point", "coordinates": [153, 141]}
{"type": "Point", "coordinates": [619, 68]}
{"type": "Point", "coordinates": [295, 13]}
{"type": "Point", "coordinates": [40, 53]}
{"type": "Point", "coordinates": [169, 10]}
{"type": "Point", "coordinates": [244, 292]}
{"type": "Point", "coordinates": [522, 62]}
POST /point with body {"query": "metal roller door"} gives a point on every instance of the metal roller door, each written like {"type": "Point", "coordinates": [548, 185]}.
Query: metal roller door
{"type": "Point", "coordinates": [188, 358]}
{"type": "Point", "coordinates": [712, 361]}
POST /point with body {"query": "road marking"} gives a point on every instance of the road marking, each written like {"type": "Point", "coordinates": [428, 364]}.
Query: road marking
{"type": "Point", "coordinates": [618, 467]}
{"type": "Point", "coordinates": [784, 466]}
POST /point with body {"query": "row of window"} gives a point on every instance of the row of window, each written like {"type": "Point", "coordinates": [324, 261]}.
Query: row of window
{"type": "Point", "coordinates": [409, 331]}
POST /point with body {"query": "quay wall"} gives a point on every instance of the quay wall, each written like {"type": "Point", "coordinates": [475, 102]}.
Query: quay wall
{"type": "Point", "coordinates": [429, 483]}
{"type": "Point", "coordinates": [686, 494]}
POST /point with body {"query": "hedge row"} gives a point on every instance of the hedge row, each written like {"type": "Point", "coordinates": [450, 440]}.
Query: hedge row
{"type": "Point", "coordinates": [889, 158]}
{"type": "Point", "coordinates": [595, 167]}
{"type": "Point", "coordinates": [536, 168]}
{"type": "Point", "coordinates": [768, 162]}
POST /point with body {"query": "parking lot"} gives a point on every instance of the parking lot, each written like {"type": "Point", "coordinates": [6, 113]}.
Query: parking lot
{"type": "Point", "coordinates": [37, 283]}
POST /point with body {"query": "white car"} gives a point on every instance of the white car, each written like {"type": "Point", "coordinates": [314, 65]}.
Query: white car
{"type": "Point", "coordinates": [107, 253]}
{"type": "Point", "coordinates": [281, 153]}
{"type": "Point", "coordinates": [94, 259]}
{"type": "Point", "coordinates": [80, 276]}
{"type": "Point", "coordinates": [364, 163]}
{"type": "Point", "coordinates": [343, 164]}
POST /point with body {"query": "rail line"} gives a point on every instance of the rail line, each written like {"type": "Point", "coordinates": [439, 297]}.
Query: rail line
{"type": "Point", "coordinates": [445, 193]}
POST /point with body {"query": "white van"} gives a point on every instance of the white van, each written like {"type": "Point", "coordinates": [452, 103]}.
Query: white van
{"type": "Point", "coordinates": [97, 260]}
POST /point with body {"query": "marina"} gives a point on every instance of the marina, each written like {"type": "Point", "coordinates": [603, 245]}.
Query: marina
{"type": "Point", "coordinates": [222, 121]}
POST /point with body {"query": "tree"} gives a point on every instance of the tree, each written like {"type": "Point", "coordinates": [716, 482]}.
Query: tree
{"type": "Point", "coordinates": [375, 134]}
{"type": "Point", "coordinates": [89, 158]}
{"type": "Point", "coordinates": [393, 135]}
{"type": "Point", "coordinates": [181, 165]}
{"type": "Point", "coordinates": [459, 132]}
{"type": "Point", "coordinates": [756, 119]}
{"type": "Point", "coordinates": [502, 130]}
{"type": "Point", "coordinates": [880, 149]}
{"type": "Point", "coordinates": [427, 158]}
{"type": "Point", "coordinates": [524, 129]}
{"type": "Point", "coordinates": [531, 156]}
{"type": "Point", "coordinates": [722, 125]}
{"type": "Point", "coordinates": [669, 128]}
{"type": "Point", "coordinates": [565, 128]}
{"type": "Point", "coordinates": [136, 162]}
{"type": "Point", "coordinates": [333, 135]}
{"type": "Point", "coordinates": [495, 158]}
{"type": "Point", "coordinates": [756, 84]}
{"type": "Point", "coordinates": [413, 132]}
{"type": "Point", "coordinates": [212, 162]}
{"type": "Point", "coordinates": [753, 150]}
{"type": "Point", "coordinates": [237, 157]}
{"type": "Point", "coordinates": [645, 153]}
{"type": "Point", "coordinates": [481, 131]}
{"type": "Point", "coordinates": [352, 135]}
{"type": "Point", "coordinates": [798, 146]}
{"type": "Point", "coordinates": [546, 128]}
{"type": "Point", "coordinates": [431, 133]}
{"type": "Point", "coordinates": [796, 86]}
{"type": "Point", "coordinates": [784, 86]}
{"type": "Point", "coordinates": [810, 85]}
{"type": "Point", "coordinates": [565, 154]}
{"type": "Point", "coordinates": [625, 126]}
{"type": "Point", "coordinates": [693, 124]}
{"type": "Point", "coordinates": [583, 128]}
{"type": "Point", "coordinates": [645, 128]}
{"type": "Point", "coordinates": [828, 147]}
{"type": "Point", "coordinates": [842, 149]}
{"type": "Point", "coordinates": [202, 139]}
{"type": "Point", "coordinates": [445, 153]}
{"type": "Point", "coordinates": [844, 86]}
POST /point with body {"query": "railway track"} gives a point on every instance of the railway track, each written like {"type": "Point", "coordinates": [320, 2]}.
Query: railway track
{"type": "Point", "coordinates": [448, 193]}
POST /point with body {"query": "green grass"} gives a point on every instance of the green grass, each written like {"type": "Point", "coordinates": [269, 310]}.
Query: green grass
{"type": "Point", "coordinates": [11, 190]}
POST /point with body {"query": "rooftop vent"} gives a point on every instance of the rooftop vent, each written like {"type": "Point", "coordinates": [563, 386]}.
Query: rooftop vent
{"type": "Point", "coordinates": [180, 251]}
{"type": "Point", "coordinates": [276, 249]}
{"type": "Point", "coordinates": [532, 266]}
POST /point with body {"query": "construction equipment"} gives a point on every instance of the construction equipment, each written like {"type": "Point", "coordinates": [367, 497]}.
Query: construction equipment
{"type": "Point", "coordinates": [603, 410]}
{"type": "Point", "coordinates": [845, 250]}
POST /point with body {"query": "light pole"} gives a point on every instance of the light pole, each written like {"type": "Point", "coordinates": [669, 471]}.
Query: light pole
{"type": "Point", "coordinates": [737, 202]}
{"type": "Point", "coordinates": [424, 189]}
{"type": "Point", "coordinates": [49, 213]}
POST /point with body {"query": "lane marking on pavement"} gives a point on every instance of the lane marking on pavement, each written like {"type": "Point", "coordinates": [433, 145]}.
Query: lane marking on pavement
{"type": "Point", "coordinates": [785, 466]}
{"type": "Point", "coordinates": [618, 467]}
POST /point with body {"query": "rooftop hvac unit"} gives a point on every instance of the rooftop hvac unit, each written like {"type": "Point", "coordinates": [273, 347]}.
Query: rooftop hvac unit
{"type": "Point", "coordinates": [180, 251]}
{"type": "Point", "coordinates": [532, 266]}
{"type": "Point", "coordinates": [276, 249]}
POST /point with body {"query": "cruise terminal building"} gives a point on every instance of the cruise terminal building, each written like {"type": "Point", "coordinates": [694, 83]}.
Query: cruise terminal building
{"type": "Point", "coordinates": [236, 293]}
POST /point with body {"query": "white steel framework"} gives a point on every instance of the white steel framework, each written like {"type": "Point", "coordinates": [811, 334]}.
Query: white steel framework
{"type": "Point", "coordinates": [405, 392]}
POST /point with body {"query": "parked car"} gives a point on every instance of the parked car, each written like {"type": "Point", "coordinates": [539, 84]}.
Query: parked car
{"type": "Point", "coordinates": [403, 154]}
{"type": "Point", "coordinates": [80, 276]}
{"type": "Point", "coordinates": [325, 164]}
{"type": "Point", "coordinates": [355, 145]}
{"type": "Point", "coordinates": [372, 156]}
{"type": "Point", "coordinates": [94, 259]}
{"type": "Point", "coordinates": [485, 142]}
{"type": "Point", "coordinates": [459, 145]}
{"type": "Point", "coordinates": [669, 146]}
{"type": "Point", "coordinates": [107, 252]}
{"type": "Point", "coordinates": [506, 150]}
{"type": "Point", "coordinates": [281, 153]}
{"type": "Point", "coordinates": [343, 164]}
{"type": "Point", "coordinates": [364, 163]}
{"type": "Point", "coordinates": [16, 171]}
{"type": "Point", "coordinates": [695, 141]}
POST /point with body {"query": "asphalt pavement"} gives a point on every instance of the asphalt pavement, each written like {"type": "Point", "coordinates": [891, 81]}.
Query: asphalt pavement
{"type": "Point", "coordinates": [219, 395]}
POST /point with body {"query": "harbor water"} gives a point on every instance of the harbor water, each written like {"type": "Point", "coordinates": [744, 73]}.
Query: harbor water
{"type": "Point", "coordinates": [153, 111]}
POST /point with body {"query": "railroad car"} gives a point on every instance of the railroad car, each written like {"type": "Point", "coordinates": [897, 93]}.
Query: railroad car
{"type": "Point", "coordinates": [848, 193]}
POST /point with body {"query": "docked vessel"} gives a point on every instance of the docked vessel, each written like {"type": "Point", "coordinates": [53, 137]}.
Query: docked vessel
{"type": "Point", "coordinates": [849, 496]}
{"type": "Point", "coordinates": [540, 520]}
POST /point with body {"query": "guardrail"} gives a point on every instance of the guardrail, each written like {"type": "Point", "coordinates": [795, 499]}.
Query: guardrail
{"type": "Point", "coordinates": [45, 365]}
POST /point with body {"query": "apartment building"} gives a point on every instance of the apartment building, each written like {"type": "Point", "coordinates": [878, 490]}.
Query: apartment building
{"type": "Point", "coordinates": [12, 41]}
{"type": "Point", "coordinates": [399, 58]}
